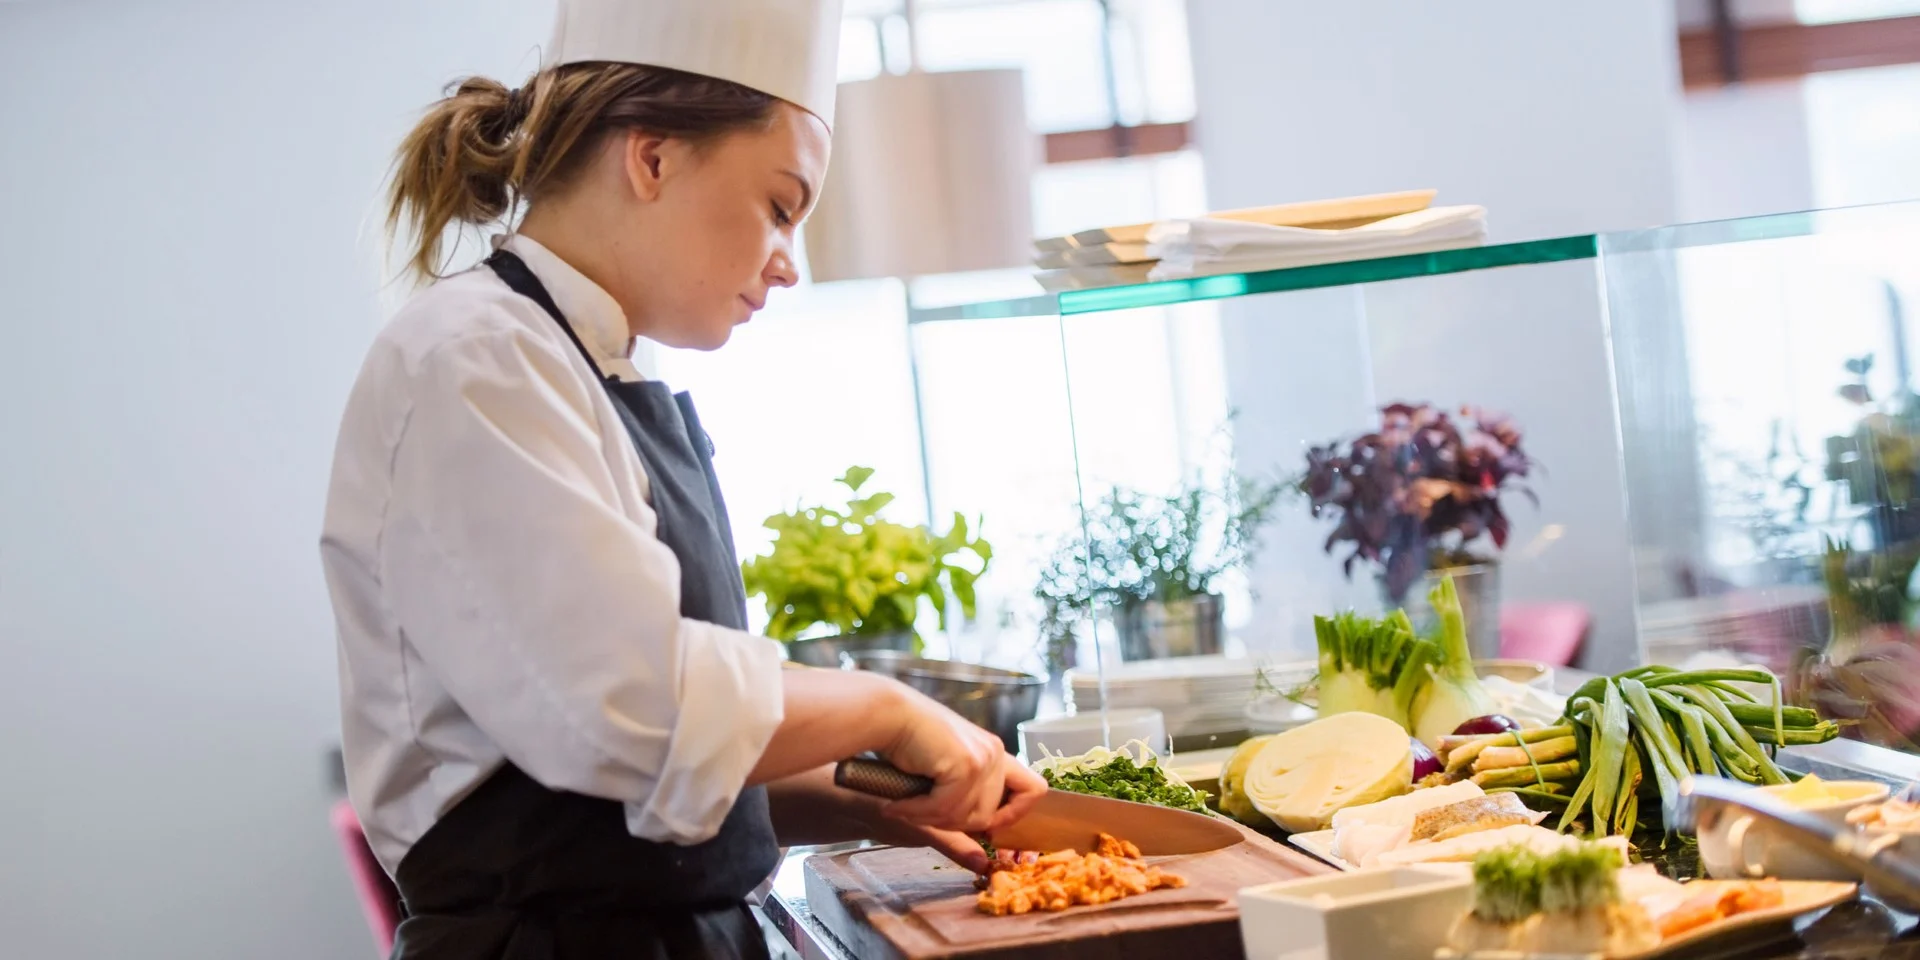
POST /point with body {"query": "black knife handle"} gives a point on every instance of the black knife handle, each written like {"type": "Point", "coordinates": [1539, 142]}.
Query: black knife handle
{"type": "Point", "coordinates": [877, 778]}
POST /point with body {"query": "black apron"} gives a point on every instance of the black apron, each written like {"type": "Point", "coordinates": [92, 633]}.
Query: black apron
{"type": "Point", "coordinates": [516, 871]}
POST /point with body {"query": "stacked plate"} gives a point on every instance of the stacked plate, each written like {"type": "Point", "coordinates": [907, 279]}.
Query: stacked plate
{"type": "Point", "coordinates": [1201, 697]}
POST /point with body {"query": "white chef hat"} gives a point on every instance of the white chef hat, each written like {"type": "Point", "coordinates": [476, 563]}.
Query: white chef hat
{"type": "Point", "coordinates": [787, 48]}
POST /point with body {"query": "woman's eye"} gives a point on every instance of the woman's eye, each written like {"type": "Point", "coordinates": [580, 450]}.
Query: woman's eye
{"type": "Point", "coordinates": [780, 216]}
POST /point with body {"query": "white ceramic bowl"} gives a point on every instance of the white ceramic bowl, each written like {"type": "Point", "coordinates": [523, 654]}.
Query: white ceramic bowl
{"type": "Point", "coordinates": [1736, 850]}
{"type": "Point", "coordinates": [1531, 673]}
{"type": "Point", "coordinates": [1077, 733]}
{"type": "Point", "coordinates": [1382, 913]}
{"type": "Point", "coordinates": [1277, 715]}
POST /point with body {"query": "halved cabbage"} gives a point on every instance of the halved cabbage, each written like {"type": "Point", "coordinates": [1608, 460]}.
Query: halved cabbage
{"type": "Point", "coordinates": [1233, 794]}
{"type": "Point", "coordinates": [1300, 778]}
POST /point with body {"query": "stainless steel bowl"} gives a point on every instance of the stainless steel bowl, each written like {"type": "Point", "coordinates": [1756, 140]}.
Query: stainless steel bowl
{"type": "Point", "coordinates": [828, 651]}
{"type": "Point", "coordinates": [998, 700]}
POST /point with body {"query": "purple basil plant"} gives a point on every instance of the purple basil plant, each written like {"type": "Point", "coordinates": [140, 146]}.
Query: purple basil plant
{"type": "Point", "coordinates": [1417, 494]}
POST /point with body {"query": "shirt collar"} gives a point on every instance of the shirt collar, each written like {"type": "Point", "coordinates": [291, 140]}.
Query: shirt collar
{"type": "Point", "coordinates": [592, 312]}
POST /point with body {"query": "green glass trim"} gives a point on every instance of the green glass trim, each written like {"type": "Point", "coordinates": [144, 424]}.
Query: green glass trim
{"type": "Point", "coordinates": [1045, 305]}
{"type": "Point", "coordinates": [1220, 286]}
{"type": "Point", "coordinates": [1346, 273]}
{"type": "Point", "coordinates": [1903, 216]}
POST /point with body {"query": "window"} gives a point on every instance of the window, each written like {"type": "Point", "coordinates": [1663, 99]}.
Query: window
{"type": "Point", "coordinates": [1843, 11]}
{"type": "Point", "coordinates": [1057, 43]}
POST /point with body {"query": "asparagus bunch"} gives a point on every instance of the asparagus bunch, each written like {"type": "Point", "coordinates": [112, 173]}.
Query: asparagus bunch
{"type": "Point", "coordinates": [1544, 759]}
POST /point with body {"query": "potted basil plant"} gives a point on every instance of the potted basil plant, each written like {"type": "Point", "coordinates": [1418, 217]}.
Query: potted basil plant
{"type": "Point", "coordinates": [844, 578]}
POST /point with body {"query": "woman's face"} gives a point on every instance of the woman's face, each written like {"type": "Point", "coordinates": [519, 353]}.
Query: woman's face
{"type": "Point", "coordinates": [699, 234]}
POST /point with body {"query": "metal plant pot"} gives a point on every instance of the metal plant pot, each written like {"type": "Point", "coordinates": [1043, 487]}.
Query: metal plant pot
{"type": "Point", "coordinates": [1154, 629]}
{"type": "Point", "coordinates": [826, 651]}
{"type": "Point", "coordinates": [1479, 589]}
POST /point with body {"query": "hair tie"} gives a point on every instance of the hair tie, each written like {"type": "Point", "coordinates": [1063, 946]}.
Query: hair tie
{"type": "Point", "coordinates": [519, 104]}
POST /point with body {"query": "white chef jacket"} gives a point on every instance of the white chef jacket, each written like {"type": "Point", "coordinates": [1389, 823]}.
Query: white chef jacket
{"type": "Point", "coordinates": [498, 588]}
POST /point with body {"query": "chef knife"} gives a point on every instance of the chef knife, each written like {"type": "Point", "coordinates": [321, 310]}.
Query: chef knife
{"type": "Point", "coordinates": [1063, 820]}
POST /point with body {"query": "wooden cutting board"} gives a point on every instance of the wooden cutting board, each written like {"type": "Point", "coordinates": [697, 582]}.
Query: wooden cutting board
{"type": "Point", "coordinates": [910, 904]}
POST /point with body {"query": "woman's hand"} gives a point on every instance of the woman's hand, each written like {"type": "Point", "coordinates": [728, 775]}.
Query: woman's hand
{"type": "Point", "coordinates": [832, 715]}
{"type": "Point", "coordinates": [809, 810]}
{"type": "Point", "coordinates": [977, 786]}
{"type": "Point", "coordinates": [955, 846]}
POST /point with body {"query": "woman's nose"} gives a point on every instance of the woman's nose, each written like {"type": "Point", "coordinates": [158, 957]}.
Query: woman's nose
{"type": "Point", "coordinates": [781, 271]}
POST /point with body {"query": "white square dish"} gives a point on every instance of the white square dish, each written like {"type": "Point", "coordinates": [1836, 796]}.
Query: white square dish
{"type": "Point", "coordinates": [1393, 912]}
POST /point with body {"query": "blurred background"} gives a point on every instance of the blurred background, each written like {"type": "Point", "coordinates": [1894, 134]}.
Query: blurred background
{"type": "Point", "coordinates": [192, 276]}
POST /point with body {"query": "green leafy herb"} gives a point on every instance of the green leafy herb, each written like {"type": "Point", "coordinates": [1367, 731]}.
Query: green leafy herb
{"type": "Point", "coordinates": [1120, 776]}
{"type": "Point", "coordinates": [1513, 883]}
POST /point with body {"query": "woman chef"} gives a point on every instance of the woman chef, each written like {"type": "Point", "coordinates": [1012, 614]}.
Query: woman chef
{"type": "Point", "coordinates": [558, 736]}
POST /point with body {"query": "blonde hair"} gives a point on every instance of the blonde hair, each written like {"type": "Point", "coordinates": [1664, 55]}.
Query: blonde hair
{"type": "Point", "coordinates": [483, 150]}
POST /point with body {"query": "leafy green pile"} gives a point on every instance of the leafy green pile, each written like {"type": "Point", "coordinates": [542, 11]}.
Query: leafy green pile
{"type": "Point", "coordinates": [1513, 883]}
{"type": "Point", "coordinates": [1117, 774]}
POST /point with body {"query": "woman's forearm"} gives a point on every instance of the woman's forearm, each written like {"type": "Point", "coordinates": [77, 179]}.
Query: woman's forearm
{"type": "Point", "coordinates": [830, 715]}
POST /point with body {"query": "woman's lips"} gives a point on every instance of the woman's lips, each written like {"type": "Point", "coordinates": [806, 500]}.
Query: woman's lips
{"type": "Point", "coordinates": [752, 308]}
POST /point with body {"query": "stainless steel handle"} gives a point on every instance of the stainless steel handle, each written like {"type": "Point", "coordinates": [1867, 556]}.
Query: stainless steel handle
{"type": "Point", "coordinates": [878, 778]}
{"type": "Point", "coordinates": [1704, 801]}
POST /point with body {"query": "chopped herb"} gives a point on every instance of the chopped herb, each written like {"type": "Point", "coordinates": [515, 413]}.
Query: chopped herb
{"type": "Point", "coordinates": [1121, 778]}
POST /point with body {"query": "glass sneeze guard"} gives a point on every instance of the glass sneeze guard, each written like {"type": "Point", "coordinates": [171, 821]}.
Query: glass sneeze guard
{"type": "Point", "coordinates": [1619, 354]}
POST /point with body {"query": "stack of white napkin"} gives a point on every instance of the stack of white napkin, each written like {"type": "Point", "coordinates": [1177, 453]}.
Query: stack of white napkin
{"type": "Point", "coordinates": [1185, 248]}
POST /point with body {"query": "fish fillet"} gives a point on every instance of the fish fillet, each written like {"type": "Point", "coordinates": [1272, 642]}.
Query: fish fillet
{"type": "Point", "coordinates": [1490, 812]}
{"type": "Point", "coordinates": [1362, 833]}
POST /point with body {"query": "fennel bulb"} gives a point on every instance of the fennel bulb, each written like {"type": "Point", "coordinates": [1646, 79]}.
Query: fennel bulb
{"type": "Point", "coordinates": [1452, 694]}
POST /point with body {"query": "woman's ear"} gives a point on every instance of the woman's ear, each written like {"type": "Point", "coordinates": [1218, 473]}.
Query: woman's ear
{"type": "Point", "coordinates": [644, 158]}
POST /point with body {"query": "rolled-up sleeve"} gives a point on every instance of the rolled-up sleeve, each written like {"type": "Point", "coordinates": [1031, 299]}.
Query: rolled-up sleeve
{"type": "Point", "coordinates": [550, 616]}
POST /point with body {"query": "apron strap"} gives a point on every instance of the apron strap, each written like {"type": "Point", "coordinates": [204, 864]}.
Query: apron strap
{"type": "Point", "coordinates": [520, 279]}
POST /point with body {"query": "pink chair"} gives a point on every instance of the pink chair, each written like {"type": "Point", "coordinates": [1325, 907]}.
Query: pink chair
{"type": "Point", "coordinates": [379, 898]}
{"type": "Point", "coordinates": [1551, 633]}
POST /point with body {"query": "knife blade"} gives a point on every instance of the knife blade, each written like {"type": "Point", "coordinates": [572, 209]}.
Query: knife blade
{"type": "Point", "coordinates": [1063, 820]}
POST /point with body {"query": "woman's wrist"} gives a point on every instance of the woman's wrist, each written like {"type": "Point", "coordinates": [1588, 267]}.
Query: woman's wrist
{"type": "Point", "coordinates": [887, 712]}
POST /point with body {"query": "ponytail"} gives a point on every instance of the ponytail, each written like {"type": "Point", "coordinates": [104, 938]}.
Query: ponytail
{"type": "Point", "coordinates": [483, 150]}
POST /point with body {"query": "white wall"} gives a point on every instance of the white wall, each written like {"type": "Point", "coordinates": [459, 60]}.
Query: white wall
{"type": "Point", "coordinates": [187, 300]}
{"type": "Point", "coordinates": [1560, 119]}
{"type": "Point", "coordinates": [1745, 151]}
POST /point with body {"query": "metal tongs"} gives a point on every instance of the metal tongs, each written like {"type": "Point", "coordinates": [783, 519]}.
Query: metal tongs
{"type": "Point", "coordinates": [1706, 801]}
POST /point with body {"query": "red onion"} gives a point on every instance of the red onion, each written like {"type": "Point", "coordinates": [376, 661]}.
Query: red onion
{"type": "Point", "coordinates": [1425, 764]}
{"type": "Point", "coordinates": [1480, 726]}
